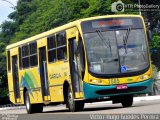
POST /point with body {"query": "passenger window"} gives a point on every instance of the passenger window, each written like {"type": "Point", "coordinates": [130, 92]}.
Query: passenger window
{"type": "Point", "coordinates": [33, 54]}
{"type": "Point", "coordinates": [25, 56]}
{"type": "Point", "coordinates": [61, 46]}
{"type": "Point", "coordinates": [51, 43]}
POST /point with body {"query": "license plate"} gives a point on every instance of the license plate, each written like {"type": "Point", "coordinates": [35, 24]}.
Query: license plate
{"type": "Point", "coordinates": [120, 87]}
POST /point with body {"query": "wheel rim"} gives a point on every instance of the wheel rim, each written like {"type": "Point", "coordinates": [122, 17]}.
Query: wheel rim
{"type": "Point", "coordinates": [70, 100]}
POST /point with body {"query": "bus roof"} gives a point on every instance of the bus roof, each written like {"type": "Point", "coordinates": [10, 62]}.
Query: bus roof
{"type": "Point", "coordinates": [63, 27]}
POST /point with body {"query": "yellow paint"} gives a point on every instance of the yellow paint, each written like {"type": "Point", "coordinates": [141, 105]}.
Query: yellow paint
{"type": "Point", "coordinates": [77, 95]}
{"type": "Point", "coordinates": [14, 51]}
{"type": "Point", "coordinates": [59, 71]}
{"type": "Point", "coordinates": [124, 80]}
{"type": "Point", "coordinates": [18, 100]}
{"type": "Point", "coordinates": [11, 96]}
{"type": "Point", "coordinates": [42, 42]}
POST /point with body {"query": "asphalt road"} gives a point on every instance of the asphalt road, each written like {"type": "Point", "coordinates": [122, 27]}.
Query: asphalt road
{"type": "Point", "coordinates": [98, 111]}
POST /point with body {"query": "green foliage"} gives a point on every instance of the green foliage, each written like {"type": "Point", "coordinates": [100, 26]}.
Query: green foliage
{"type": "Point", "coordinates": [156, 42]}
{"type": "Point", "coordinates": [97, 7]}
{"type": "Point", "coordinates": [152, 16]}
{"type": "Point", "coordinates": [52, 13]}
{"type": "Point", "coordinates": [3, 92]}
{"type": "Point", "coordinates": [155, 72]}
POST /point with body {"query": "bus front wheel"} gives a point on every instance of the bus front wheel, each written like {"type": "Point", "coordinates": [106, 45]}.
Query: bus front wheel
{"type": "Point", "coordinates": [127, 100]}
{"type": "Point", "coordinates": [32, 108]}
{"type": "Point", "coordinates": [72, 104]}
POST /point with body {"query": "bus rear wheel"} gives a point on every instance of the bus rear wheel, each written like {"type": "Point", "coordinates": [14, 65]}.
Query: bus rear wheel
{"type": "Point", "coordinates": [127, 100]}
{"type": "Point", "coordinates": [32, 108]}
{"type": "Point", "coordinates": [72, 104]}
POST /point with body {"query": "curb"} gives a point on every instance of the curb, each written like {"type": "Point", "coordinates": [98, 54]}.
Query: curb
{"type": "Point", "coordinates": [135, 99]}
{"type": "Point", "coordinates": [11, 107]}
{"type": "Point", "coordinates": [147, 98]}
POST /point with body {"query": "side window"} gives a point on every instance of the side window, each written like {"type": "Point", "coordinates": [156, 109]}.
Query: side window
{"type": "Point", "coordinates": [51, 43]}
{"type": "Point", "coordinates": [20, 57]}
{"type": "Point", "coordinates": [25, 56]}
{"type": "Point", "coordinates": [61, 46]}
{"type": "Point", "coordinates": [33, 54]}
{"type": "Point", "coordinates": [8, 60]}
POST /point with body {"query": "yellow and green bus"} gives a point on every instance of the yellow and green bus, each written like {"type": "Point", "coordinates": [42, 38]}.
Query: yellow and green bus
{"type": "Point", "coordinates": [91, 59]}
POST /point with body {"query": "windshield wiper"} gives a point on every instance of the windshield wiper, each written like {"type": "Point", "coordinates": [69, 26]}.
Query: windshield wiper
{"type": "Point", "coordinates": [125, 39]}
{"type": "Point", "coordinates": [103, 40]}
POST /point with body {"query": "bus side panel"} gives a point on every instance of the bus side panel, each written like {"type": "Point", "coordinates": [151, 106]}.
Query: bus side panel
{"type": "Point", "coordinates": [31, 81]}
{"type": "Point", "coordinates": [10, 86]}
{"type": "Point", "coordinates": [57, 73]}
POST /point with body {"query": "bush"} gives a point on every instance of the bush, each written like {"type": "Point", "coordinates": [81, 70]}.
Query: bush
{"type": "Point", "coordinates": [156, 42]}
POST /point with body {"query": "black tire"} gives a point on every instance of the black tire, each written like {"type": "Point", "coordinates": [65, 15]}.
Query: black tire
{"type": "Point", "coordinates": [32, 108]}
{"type": "Point", "coordinates": [38, 108]}
{"type": "Point", "coordinates": [127, 100]}
{"type": "Point", "coordinates": [79, 105]}
{"type": "Point", "coordinates": [72, 104]}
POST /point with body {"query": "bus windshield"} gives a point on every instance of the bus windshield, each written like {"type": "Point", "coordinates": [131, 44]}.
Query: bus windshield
{"type": "Point", "coordinates": [117, 50]}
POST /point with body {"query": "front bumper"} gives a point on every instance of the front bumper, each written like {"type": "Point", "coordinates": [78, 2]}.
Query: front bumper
{"type": "Point", "coordinates": [98, 91]}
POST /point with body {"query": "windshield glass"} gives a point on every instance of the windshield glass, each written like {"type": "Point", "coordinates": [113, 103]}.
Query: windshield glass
{"type": "Point", "coordinates": [116, 51]}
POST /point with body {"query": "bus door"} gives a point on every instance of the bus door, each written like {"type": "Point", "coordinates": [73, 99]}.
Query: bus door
{"type": "Point", "coordinates": [15, 79]}
{"type": "Point", "coordinates": [44, 74]}
{"type": "Point", "coordinates": [74, 68]}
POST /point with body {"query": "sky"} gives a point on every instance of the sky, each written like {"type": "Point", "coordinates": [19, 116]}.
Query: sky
{"type": "Point", "coordinates": [6, 9]}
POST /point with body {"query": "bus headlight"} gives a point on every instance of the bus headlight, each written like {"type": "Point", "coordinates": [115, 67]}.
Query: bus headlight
{"type": "Point", "coordinates": [96, 81]}
{"type": "Point", "coordinates": [99, 81]}
{"type": "Point", "coordinates": [144, 77]}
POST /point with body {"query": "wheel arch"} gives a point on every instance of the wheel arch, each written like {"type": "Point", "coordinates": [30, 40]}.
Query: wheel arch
{"type": "Point", "coordinates": [65, 88]}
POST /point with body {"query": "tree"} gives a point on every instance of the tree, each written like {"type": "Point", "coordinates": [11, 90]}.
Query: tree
{"type": "Point", "coordinates": [152, 16]}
